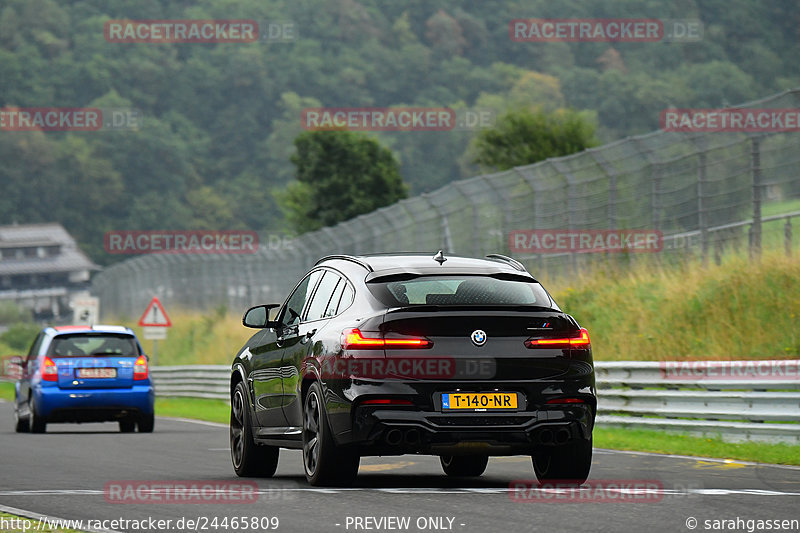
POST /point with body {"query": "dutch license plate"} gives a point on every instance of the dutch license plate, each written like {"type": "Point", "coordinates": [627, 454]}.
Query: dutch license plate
{"type": "Point", "coordinates": [482, 401]}
{"type": "Point", "coordinates": [95, 373]}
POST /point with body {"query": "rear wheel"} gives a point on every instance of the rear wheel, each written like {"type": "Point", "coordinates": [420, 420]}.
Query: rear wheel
{"type": "Point", "coordinates": [324, 462]}
{"type": "Point", "coordinates": [145, 424]}
{"type": "Point", "coordinates": [249, 459]}
{"type": "Point", "coordinates": [569, 463]}
{"type": "Point", "coordinates": [20, 424]}
{"type": "Point", "coordinates": [35, 421]}
{"type": "Point", "coordinates": [464, 465]}
{"type": "Point", "coordinates": [127, 425]}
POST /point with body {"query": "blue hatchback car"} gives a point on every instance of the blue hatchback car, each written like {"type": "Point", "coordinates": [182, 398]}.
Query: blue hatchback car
{"type": "Point", "coordinates": [85, 374]}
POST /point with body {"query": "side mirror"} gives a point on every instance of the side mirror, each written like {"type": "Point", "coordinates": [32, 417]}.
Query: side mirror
{"type": "Point", "coordinates": [258, 317]}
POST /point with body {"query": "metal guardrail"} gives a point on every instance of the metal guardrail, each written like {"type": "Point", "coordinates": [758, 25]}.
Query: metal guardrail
{"type": "Point", "coordinates": [734, 400]}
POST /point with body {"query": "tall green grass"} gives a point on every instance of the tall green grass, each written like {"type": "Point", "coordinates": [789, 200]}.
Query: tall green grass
{"type": "Point", "coordinates": [739, 310]}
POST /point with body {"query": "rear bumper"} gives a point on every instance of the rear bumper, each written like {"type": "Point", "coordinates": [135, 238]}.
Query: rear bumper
{"type": "Point", "coordinates": [395, 431]}
{"type": "Point", "coordinates": [94, 405]}
{"type": "Point", "coordinates": [425, 427]}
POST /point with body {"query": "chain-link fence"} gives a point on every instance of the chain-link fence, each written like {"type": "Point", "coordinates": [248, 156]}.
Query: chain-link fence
{"type": "Point", "coordinates": [702, 194]}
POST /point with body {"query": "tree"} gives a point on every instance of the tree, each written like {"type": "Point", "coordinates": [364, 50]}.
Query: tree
{"type": "Point", "coordinates": [524, 137]}
{"type": "Point", "coordinates": [340, 175]}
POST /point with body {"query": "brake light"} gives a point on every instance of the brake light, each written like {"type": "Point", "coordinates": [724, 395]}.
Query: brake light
{"type": "Point", "coordinates": [354, 339]}
{"type": "Point", "coordinates": [49, 370]}
{"type": "Point", "coordinates": [581, 341]}
{"type": "Point", "coordinates": [565, 400]}
{"type": "Point", "coordinates": [386, 401]}
{"type": "Point", "coordinates": [140, 368]}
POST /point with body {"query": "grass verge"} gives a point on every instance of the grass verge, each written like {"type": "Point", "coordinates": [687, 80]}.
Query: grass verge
{"type": "Point", "coordinates": [642, 440]}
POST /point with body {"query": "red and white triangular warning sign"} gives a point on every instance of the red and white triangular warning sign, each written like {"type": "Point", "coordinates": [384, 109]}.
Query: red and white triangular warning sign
{"type": "Point", "coordinates": [155, 315]}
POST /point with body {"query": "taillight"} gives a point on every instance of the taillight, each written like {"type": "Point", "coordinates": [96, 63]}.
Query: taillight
{"type": "Point", "coordinates": [580, 341]}
{"type": "Point", "coordinates": [565, 400]}
{"type": "Point", "coordinates": [353, 339]}
{"type": "Point", "coordinates": [387, 401]}
{"type": "Point", "coordinates": [140, 368]}
{"type": "Point", "coordinates": [49, 370]}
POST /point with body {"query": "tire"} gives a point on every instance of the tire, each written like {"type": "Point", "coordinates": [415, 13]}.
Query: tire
{"type": "Point", "coordinates": [20, 424]}
{"type": "Point", "coordinates": [568, 464]}
{"type": "Point", "coordinates": [464, 465]}
{"type": "Point", "coordinates": [248, 458]}
{"type": "Point", "coordinates": [145, 424]}
{"type": "Point", "coordinates": [36, 423]}
{"type": "Point", "coordinates": [324, 463]}
{"type": "Point", "coordinates": [127, 425]}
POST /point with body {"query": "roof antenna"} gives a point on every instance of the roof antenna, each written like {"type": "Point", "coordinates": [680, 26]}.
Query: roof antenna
{"type": "Point", "coordinates": [440, 258]}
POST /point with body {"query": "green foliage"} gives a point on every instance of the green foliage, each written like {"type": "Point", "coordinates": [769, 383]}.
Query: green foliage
{"type": "Point", "coordinates": [219, 121]}
{"type": "Point", "coordinates": [340, 175]}
{"type": "Point", "coordinates": [11, 313]}
{"type": "Point", "coordinates": [19, 336]}
{"type": "Point", "coordinates": [524, 137]}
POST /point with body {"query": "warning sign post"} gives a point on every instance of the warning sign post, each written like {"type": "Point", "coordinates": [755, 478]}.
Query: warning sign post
{"type": "Point", "coordinates": [155, 322]}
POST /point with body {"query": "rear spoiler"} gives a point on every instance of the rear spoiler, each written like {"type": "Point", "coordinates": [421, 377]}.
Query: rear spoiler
{"type": "Point", "coordinates": [400, 274]}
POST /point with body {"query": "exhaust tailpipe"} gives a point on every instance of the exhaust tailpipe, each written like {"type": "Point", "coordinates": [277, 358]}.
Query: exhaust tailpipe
{"type": "Point", "coordinates": [394, 437]}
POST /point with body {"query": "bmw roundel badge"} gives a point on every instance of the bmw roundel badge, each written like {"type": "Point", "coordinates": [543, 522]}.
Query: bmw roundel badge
{"type": "Point", "coordinates": [478, 337]}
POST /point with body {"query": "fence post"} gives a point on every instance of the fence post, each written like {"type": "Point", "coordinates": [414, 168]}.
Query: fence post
{"type": "Point", "coordinates": [701, 208]}
{"type": "Point", "coordinates": [787, 236]}
{"type": "Point", "coordinates": [536, 189]}
{"type": "Point", "coordinates": [755, 171]}
{"type": "Point", "coordinates": [569, 178]}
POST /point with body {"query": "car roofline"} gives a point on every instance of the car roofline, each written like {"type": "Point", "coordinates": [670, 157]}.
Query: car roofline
{"type": "Point", "coordinates": [343, 257]}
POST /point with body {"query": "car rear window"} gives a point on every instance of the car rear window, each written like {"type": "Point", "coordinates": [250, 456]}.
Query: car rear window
{"type": "Point", "coordinates": [460, 290]}
{"type": "Point", "coordinates": [93, 344]}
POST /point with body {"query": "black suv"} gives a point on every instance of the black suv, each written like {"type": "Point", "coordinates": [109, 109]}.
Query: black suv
{"type": "Point", "coordinates": [408, 353]}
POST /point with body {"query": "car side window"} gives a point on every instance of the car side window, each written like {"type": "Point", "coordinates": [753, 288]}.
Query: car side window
{"type": "Point", "coordinates": [333, 304]}
{"type": "Point", "coordinates": [346, 299]}
{"type": "Point", "coordinates": [293, 310]}
{"type": "Point", "coordinates": [319, 303]}
{"type": "Point", "coordinates": [34, 349]}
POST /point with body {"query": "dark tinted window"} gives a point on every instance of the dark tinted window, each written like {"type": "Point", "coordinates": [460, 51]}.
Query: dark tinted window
{"type": "Point", "coordinates": [37, 343]}
{"type": "Point", "coordinates": [93, 344]}
{"type": "Point", "coordinates": [460, 290]}
{"type": "Point", "coordinates": [319, 303]}
{"type": "Point", "coordinates": [294, 307]}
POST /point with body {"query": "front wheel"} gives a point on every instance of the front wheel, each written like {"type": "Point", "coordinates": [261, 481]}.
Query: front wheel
{"type": "Point", "coordinates": [569, 463]}
{"type": "Point", "coordinates": [464, 465]}
{"type": "Point", "coordinates": [249, 459]}
{"type": "Point", "coordinates": [324, 462]}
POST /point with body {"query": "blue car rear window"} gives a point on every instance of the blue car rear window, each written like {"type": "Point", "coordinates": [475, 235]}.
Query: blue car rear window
{"type": "Point", "coordinates": [93, 344]}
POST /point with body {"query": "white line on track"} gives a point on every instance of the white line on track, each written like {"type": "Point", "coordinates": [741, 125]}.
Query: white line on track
{"type": "Point", "coordinates": [601, 451]}
{"type": "Point", "coordinates": [38, 516]}
{"type": "Point", "coordinates": [427, 490]}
